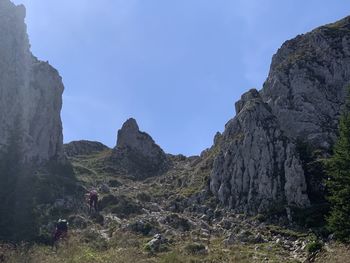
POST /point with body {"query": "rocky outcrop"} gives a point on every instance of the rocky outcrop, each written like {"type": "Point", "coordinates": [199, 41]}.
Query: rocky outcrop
{"type": "Point", "coordinates": [83, 147]}
{"type": "Point", "coordinates": [30, 92]}
{"type": "Point", "coordinates": [307, 82]}
{"type": "Point", "coordinates": [257, 166]}
{"type": "Point", "coordinates": [137, 153]}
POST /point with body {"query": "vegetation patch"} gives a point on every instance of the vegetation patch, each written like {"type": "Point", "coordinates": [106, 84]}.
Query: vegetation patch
{"type": "Point", "coordinates": [314, 246]}
{"type": "Point", "coordinates": [195, 248]}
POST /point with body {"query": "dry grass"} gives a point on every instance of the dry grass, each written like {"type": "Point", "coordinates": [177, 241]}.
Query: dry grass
{"type": "Point", "coordinates": [334, 253]}
{"type": "Point", "coordinates": [75, 251]}
{"type": "Point", "coordinates": [127, 248]}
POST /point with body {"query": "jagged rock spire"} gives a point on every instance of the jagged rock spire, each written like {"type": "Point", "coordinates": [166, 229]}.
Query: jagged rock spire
{"type": "Point", "coordinates": [137, 153]}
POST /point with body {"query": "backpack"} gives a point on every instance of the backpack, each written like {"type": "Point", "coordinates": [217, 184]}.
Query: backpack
{"type": "Point", "coordinates": [62, 225]}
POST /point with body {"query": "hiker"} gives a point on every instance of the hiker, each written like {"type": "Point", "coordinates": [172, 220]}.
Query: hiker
{"type": "Point", "coordinates": [61, 231]}
{"type": "Point", "coordinates": [93, 199]}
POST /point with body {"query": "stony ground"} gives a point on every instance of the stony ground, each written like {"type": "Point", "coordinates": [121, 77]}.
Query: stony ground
{"type": "Point", "coordinates": [166, 219]}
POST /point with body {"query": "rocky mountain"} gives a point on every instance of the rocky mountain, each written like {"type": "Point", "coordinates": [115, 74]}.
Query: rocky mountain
{"type": "Point", "coordinates": [307, 82]}
{"type": "Point", "coordinates": [30, 92]}
{"type": "Point", "coordinates": [137, 153]}
{"type": "Point", "coordinates": [83, 147]}
{"type": "Point", "coordinates": [156, 207]}
{"type": "Point", "coordinates": [258, 166]}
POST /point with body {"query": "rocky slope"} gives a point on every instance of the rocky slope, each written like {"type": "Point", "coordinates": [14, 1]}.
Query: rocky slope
{"type": "Point", "coordinates": [83, 147]}
{"type": "Point", "coordinates": [257, 165]}
{"type": "Point", "coordinates": [30, 92]}
{"type": "Point", "coordinates": [167, 218]}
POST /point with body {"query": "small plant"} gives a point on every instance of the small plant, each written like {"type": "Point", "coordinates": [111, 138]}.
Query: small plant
{"type": "Point", "coordinates": [260, 217]}
{"type": "Point", "coordinates": [195, 248]}
{"type": "Point", "coordinates": [314, 246]}
{"type": "Point", "coordinates": [144, 197]}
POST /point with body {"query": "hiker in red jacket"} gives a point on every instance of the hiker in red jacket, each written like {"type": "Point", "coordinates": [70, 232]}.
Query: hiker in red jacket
{"type": "Point", "coordinates": [93, 199]}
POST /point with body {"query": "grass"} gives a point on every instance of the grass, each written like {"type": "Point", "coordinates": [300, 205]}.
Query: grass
{"type": "Point", "coordinates": [75, 250]}
{"type": "Point", "coordinates": [335, 253]}
{"type": "Point", "coordinates": [127, 247]}
{"type": "Point", "coordinates": [286, 232]}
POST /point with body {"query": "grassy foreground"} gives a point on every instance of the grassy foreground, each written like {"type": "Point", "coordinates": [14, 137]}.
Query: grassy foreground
{"type": "Point", "coordinates": [127, 247]}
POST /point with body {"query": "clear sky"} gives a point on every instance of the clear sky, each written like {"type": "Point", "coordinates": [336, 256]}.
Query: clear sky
{"type": "Point", "coordinates": [177, 66]}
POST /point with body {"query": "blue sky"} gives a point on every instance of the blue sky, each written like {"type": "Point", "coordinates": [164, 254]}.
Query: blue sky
{"type": "Point", "coordinates": [177, 66]}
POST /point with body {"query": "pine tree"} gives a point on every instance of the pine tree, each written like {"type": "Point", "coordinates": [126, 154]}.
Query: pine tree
{"type": "Point", "coordinates": [338, 183]}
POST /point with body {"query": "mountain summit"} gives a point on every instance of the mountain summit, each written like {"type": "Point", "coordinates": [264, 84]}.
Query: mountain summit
{"type": "Point", "coordinates": [137, 153]}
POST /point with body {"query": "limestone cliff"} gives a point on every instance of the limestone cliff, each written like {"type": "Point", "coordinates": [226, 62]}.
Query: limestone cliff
{"type": "Point", "coordinates": [257, 165]}
{"type": "Point", "coordinates": [307, 82]}
{"type": "Point", "coordinates": [30, 92]}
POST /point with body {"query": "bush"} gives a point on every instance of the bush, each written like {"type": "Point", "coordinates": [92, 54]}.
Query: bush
{"type": "Point", "coordinates": [195, 248]}
{"type": "Point", "coordinates": [114, 183]}
{"type": "Point", "coordinates": [94, 240]}
{"type": "Point", "coordinates": [311, 217]}
{"type": "Point", "coordinates": [145, 228]}
{"type": "Point", "coordinates": [314, 246]}
{"type": "Point", "coordinates": [177, 222]}
{"type": "Point", "coordinates": [143, 197]}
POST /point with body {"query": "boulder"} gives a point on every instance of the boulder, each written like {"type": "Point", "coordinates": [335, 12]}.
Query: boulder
{"type": "Point", "coordinates": [104, 188]}
{"type": "Point", "coordinates": [156, 244]}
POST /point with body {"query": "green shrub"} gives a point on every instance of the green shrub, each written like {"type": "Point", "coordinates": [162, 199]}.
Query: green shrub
{"type": "Point", "coordinates": [143, 197]}
{"type": "Point", "coordinates": [311, 217]}
{"type": "Point", "coordinates": [195, 248]}
{"type": "Point", "coordinates": [143, 227]}
{"type": "Point", "coordinates": [314, 246]}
